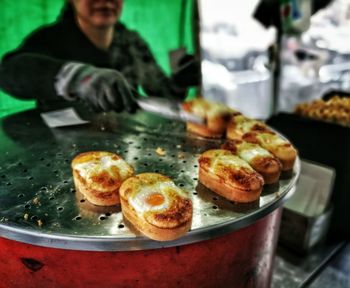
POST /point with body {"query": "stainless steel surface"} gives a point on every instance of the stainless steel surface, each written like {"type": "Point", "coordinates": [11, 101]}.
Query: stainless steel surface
{"type": "Point", "coordinates": [167, 108]}
{"type": "Point", "coordinates": [36, 182]}
{"type": "Point", "coordinates": [335, 274]}
{"type": "Point", "coordinates": [295, 271]}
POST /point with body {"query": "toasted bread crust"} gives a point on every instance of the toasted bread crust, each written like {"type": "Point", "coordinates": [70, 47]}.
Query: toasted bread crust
{"type": "Point", "coordinates": [233, 132]}
{"type": "Point", "coordinates": [216, 123]}
{"type": "Point", "coordinates": [95, 197]}
{"type": "Point", "coordinates": [163, 225]}
{"type": "Point", "coordinates": [238, 184]}
{"type": "Point", "coordinates": [285, 153]}
{"type": "Point", "coordinates": [222, 188]}
{"type": "Point", "coordinates": [152, 231]}
{"type": "Point", "coordinates": [177, 214]}
{"type": "Point", "coordinates": [101, 189]}
{"type": "Point", "coordinates": [268, 166]}
{"type": "Point", "coordinates": [203, 131]}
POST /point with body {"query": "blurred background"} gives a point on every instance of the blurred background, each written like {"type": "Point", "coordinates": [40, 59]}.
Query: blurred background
{"type": "Point", "coordinates": [261, 57]}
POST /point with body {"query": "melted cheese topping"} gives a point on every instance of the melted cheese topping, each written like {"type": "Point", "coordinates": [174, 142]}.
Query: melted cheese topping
{"type": "Point", "coordinates": [205, 108]}
{"type": "Point", "coordinates": [165, 193]}
{"type": "Point", "coordinates": [248, 151]}
{"type": "Point", "coordinates": [106, 163]}
{"type": "Point", "coordinates": [271, 139]}
{"type": "Point", "coordinates": [245, 124]}
{"type": "Point", "coordinates": [225, 158]}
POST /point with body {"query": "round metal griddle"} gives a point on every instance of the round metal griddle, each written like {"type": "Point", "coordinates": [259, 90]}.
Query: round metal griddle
{"type": "Point", "coordinates": [39, 205]}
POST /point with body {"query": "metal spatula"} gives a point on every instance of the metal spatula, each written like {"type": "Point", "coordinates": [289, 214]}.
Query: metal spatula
{"type": "Point", "coordinates": [168, 108]}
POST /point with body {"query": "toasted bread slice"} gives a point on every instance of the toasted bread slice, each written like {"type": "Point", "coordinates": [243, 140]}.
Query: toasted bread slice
{"type": "Point", "coordinates": [239, 125]}
{"type": "Point", "coordinates": [98, 176]}
{"type": "Point", "coordinates": [216, 115]}
{"type": "Point", "coordinates": [229, 176]}
{"type": "Point", "coordinates": [156, 206]}
{"type": "Point", "coordinates": [259, 158]}
{"type": "Point", "coordinates": [282, 149]}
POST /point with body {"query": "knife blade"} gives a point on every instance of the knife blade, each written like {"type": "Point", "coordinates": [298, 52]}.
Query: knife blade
{"type": "Point", "coordinates": [168, 108]}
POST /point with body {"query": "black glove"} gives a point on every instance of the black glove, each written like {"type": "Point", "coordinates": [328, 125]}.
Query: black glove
{"type": "Point", "coordinates": [104, 89]}
{"type": "Point", "coordinates": [189, 72]}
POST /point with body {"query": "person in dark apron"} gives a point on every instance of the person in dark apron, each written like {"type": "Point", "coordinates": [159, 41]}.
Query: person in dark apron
{"type": "Point", "coordinates": [89, 56]}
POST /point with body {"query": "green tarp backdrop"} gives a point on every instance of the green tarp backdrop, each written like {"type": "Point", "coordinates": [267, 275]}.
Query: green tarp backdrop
{"type": "Point", "coordinates": [158, 21]}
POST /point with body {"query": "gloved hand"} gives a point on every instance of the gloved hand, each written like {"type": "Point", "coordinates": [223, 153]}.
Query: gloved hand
{"type": "Point", "coordinates": [104, 89]}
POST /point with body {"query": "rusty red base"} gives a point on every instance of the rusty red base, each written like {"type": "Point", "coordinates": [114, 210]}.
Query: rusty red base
{"type": "Point", "coordinates": [240, 259]}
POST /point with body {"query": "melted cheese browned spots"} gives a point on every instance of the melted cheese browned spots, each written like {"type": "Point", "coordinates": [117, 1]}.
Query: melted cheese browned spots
{"type": "Point", "coordinates": [100, 170]}
{"type": "Point", "coordinates": [246, 179]}
{"type": "Point", "coordinates": [266, 163]}
{"type": "Point", "coordinates": [105, 180]}
{"type": "Point", "coordinates": [259, 127]}
{"type": "Point", "coordinates": [231, 145]}
{"type": "Point", "coordinates": [204, 162]}
{"type": "Point", "coordinates": [250, 137]}
{"type": "Point", "coordinates": [178, 213]}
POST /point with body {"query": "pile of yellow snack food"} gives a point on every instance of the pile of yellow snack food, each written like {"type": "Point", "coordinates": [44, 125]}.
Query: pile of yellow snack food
{"type": "Point", "coordinates": [336, 110]}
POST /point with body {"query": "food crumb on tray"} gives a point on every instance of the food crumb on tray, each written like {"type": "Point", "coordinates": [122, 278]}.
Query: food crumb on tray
{"type": "Point", "coordinates": [36, 201]}
{"type": "Point", "coordinates": [181, 155]}
{"type": "Point", "coordinates": [160, 151]}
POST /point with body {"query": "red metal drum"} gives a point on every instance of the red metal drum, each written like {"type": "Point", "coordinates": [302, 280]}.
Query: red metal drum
{"type": "Point", "coordinates": [242, 258]}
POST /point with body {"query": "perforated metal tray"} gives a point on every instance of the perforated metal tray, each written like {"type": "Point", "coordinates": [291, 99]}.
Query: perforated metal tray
{"type": "Point", "coordinates": [39, 205]}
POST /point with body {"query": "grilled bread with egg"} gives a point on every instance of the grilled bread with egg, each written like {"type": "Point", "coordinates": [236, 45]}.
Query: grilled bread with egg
{"type": "Point", "coordinates": [239, 125]}
{"type": "Point", "coordinates": [282, 149]}
{"type": "Point", "coordinates": [229, 176]}
{"type": "Point", "coordinates": [257, 157]}
{"type": "Point", "coordinates": [98, 176]}
{"type": "Point", "coordinates": [215, 114]}
{"type": "Point", "coordinates": [156, 206]}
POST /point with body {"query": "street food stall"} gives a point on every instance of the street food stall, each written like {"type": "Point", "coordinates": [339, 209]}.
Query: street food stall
{"type": "Point", "coordinates": [212, 137]}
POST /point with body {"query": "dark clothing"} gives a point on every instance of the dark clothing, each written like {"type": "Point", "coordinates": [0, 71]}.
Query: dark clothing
{"type": "Point", "coordinates": [29, 71]}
